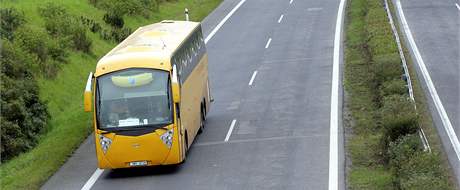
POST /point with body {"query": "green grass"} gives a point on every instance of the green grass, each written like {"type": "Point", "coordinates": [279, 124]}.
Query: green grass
{"type": "Point", "coordinates": [69, 125]}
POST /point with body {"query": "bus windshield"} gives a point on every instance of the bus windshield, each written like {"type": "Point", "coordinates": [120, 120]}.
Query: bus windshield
{"type": "Point", "coordinates": [133, 98]}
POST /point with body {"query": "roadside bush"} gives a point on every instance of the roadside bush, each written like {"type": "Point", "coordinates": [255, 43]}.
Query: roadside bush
{"type": "Point", "coordinates": [114, 20]}
{"type": "Point", "coordinates": [62, 25]}
{"type": "Point", "coordinates": [398, 118]}
{"type": "Point", "coordinates": [34, 41]}
{"type": "Point", "coordinates": [402, 150]}
{"type": "Point", "coordinates": [387, 67]}
{"type": "Point", "coordinates": [47, 53]}
{"type": "Point", "coordinates": [392, 87]}
{"type": "Point", "coordinates": [23, 116]}
{"type": "Point", "coordinates": [120, 34]}
{"type": "Point", "coordinates": [129, 7]}
{"type": "Point", "coordinates": [10, 20]}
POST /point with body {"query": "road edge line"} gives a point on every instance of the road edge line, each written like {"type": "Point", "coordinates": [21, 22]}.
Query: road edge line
{"type": "Point", "coordinates": [333, 136]}
{"type": "Point", "coordinates": [429, 83]}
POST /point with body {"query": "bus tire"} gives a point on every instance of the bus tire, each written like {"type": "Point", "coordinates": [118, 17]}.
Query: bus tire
{"type": "Point", "coordinates": [200, 130]}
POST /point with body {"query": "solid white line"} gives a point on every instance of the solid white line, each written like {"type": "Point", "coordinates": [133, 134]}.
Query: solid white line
{"type": "Point", "coordinates": [92, 179]}
{"type": "Point", "coordinates": [290, 2]}
{"type": "Point", "coordinates": [458, 7]}
{"type": "Point", "coordinates": [333, 136]}
{"type": "Point", "coordinates": [268, 43]}
{"type": "Point", "coordinates": [431, 88]}
{"type": "Point", "coordinates": [223, 21]}
{"type": "Point", "coordinates": [230, 130]}
{"type": "Point", "coordinates": [252, 78]}
{"type": "Point", "coordinates": [280, 19]}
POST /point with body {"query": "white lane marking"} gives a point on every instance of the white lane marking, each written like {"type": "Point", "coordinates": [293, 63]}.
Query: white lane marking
{"type": "Point", "coordinates": [252, 78]}
{"type": "Point", "coordinates": [223, 21]}
{"type": "Point", "coordinates": [458, 7]}
{"type": "Point", "coordinates": [333, 136]}
{"type": "Point", "coordinates": [98, 171]}
{"type": "Point", "coordinates": [431, 88]}
{"type": "Point", "coordinates": [290, 2]}
{"type": "Point", "coordinates": [268, 43]}
{"type": "Point", "coordinates": [230, 130]}
{"type": "Point", "coordinates": [280, 19]}
{"type": "Point", "coordinates": [92, 179]}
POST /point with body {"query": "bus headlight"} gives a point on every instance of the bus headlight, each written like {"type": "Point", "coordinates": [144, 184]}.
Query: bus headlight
{"type": "Point", "coordinates": [105, 143]}
{"type": "Point", "coordinates": [167, 137]}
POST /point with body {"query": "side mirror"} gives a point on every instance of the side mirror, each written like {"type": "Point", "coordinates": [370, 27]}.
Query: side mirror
{"type": "Point", "coordinates": [175, 86]}
{"type": "Point", "coordinates": [88, 95]}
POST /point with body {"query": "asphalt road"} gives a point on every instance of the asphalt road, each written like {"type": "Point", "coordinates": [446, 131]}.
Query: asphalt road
{"type": "Point", "coordinates": [435, 27]}
{"type": "Point", "coordinates": [282, 113]}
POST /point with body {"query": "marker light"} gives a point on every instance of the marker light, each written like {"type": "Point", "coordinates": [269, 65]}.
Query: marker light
{"type": "Point", "coordinates": [105, 143]}
{"type": "Point", "coordinates": [167, 137]}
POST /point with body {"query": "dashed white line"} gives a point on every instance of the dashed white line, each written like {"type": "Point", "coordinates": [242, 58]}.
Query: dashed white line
{"type": "Point", "coordinates": [280, 19]}
{"type": "Point", "coordinates": [458, 7]}
{"type": "Point", "coordinates": [230, 130]}
{"type": "Point", "coordinates": [333, 136]}
{"type": "Point", "coordinates": [268, 43]}
{"type": "Point", "coordinates": [252, 78]}
{"type": "Point", "coordinates": [223, 21]}
{"type": "Point", "coordinates": [429, 83]}
{"type": "Point", "coordinates": [92, 179]}
{"type": "Point", "coordinates": [290, 2]}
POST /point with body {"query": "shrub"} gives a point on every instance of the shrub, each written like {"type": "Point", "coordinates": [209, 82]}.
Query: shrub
{"type": "Point", "coordinates": [393, 87]}
{"type": "Point", "coordinates": [120, 34]}
{"type": "Point", "coordinates": [80, 39]}
{"type": "Point", "coordinates": [387, 67]}
{"type": "Point", "coordinates": [23, 116]}
{"type": "Point", "coordinates": [62, 25]}
{"type": "Point", "coordinates": [422, 172]}
{"type": "Point", "coordinates": [34, 41]}
{"type": "Point", "coordinates": [402, 150]}
{"type": "Point", "coordinates": [398, 118]}
{"type": "Point", "coordinates": [10, 20]}
{"type": "Point", "coordinates": [46, 52]}
{"type": "Point", "coordinates": [114, 20]}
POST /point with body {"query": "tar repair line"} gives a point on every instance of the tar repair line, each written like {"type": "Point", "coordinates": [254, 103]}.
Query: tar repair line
{"type": "Point", "coordinates": [458, 7]}
{"type": "Point", "coordinates": [268, 43]}
{"type": "Point", "coordinates": [252, 78]}
{"type": "Point", "coordinates": [98, 171]}
{"type": "Point", "coordinates": [434, 94]}
{"type": "Point", "coordinates": [333, 136]}
{"type": "Point", "coordinates": [230, 130]}
{"type": "Point", "coordinates": [280, 19]}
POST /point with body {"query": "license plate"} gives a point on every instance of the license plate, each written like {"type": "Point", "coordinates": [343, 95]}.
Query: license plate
{"type": "Point", "coordinates": [139, 163]}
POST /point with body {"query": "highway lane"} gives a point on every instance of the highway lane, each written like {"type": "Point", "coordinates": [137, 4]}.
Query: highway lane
{"type": "Point", "coordinates": [280, 138]}
{"type": "Point", "coordinates": [435, 27]}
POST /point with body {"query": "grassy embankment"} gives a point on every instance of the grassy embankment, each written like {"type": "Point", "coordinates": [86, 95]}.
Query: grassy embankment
{"type": "Point", "coordinates": [69, 125]}
{"type": "Point", "coordinates": [384, 147]}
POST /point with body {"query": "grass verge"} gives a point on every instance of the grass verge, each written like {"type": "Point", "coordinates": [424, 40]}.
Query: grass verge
{"type": "Point", "coordinates": [69, 125]}
{"type": "Point", "coordinates": [384, 148]}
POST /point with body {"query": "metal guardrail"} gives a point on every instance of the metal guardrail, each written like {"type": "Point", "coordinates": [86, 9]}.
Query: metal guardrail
{"type": "Point", "coordinates": [407, 78]}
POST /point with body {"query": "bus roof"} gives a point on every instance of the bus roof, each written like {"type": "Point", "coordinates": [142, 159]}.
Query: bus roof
{"type": "Point", "coordinates": [149, 46]}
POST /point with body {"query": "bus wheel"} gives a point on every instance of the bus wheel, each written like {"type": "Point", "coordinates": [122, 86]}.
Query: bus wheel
{"type": "Point", "coordinates": [201, 122]}
{"type": "Point", "coordinates": [201, 126]}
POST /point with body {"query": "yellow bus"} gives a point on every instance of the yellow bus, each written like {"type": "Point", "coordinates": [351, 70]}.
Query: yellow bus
{"type": "Point", "coordinates": [151, 96]}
